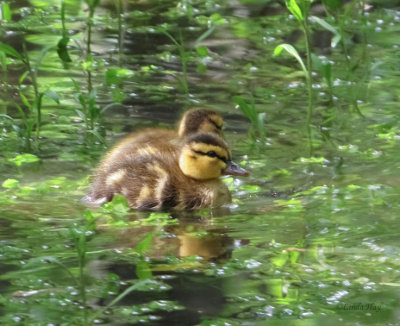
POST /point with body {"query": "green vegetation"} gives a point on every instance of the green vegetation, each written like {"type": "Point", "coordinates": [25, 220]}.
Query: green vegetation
{"type": "Point", "coordinates": [311, 237]}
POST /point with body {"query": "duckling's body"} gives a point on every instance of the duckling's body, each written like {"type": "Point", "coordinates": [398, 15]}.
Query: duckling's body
{"type": "Point", "coordinates": [153, 140]}
{"type": "Point", "coordinates": [162, 169]}
{"type": "Point", "coordinates": [157, 182]}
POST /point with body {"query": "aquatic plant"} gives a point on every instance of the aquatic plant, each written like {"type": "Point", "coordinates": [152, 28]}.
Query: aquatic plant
{"type": "Point", "coordinates": [300, 11]}
{"type": "Point", "coordinates": [89, 57]}
{"type": "Point", "coordinates": [62, 49]}
{"type": "Point", "coordinates": [187, 54]}
{"type": "Point", "coordinates": [32, 116]}
{"type": "Point", "coordinates": [120, 12]}
{"type": "Point", "coordinates": [257, 119]}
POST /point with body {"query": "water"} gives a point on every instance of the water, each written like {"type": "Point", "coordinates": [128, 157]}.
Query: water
{"type": "Point", "coordinates": [306, 241]}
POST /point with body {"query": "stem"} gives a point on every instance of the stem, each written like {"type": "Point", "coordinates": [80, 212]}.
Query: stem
{"type": "Point", "coordinates": [39, 115]}
{"type": "Point", "coordinates": [4, 68]}
{"type": "Point", "coordinates": [183, 55]}
{"type": "Point", "coordinates": [119, 13]}
{"type": "Point", "coordinates": [27, 62]}
{"type": "Point", "coordinates": [64, 30]}
{"type": "Point", "coordinates": [310, 101]}
{"type": "Point", "coordinates": [89, 34]}
{"type": "Point", "coordinates": [88, 46]}
{"type": "Point", "coordinates": [81, 249]}
{"type": "Point", "coordinates": [38, 97]}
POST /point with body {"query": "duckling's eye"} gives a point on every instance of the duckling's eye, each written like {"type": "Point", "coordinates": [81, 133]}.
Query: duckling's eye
{"type": "Point", "coordinates": [211, 154]}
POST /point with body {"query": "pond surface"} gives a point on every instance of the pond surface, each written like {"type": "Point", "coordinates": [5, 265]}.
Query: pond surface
{"type": "Point", "coordinates": [310, 238]}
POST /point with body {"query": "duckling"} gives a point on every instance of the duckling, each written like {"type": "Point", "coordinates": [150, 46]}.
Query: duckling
{"type": "Point", "coordinates": [149, 141]}
{"type": "Point", "coordinates": [181, 175]}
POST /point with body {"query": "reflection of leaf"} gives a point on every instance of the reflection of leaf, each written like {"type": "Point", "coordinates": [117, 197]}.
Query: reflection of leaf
{"type": "Point", "coordinates": [24, 158]}
{"type": "Point", "coordinates": [62, 49]}
{"type": "Point", "coordinates": [10, 183]}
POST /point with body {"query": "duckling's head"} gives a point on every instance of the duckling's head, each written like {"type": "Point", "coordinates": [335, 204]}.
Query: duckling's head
{"type": "Point", "coordinates": [206, 156]}
{"type": "Point", "coordinates": [200, 120]}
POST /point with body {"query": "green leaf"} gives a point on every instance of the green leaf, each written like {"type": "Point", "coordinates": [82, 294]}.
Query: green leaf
{"type": "Point", "coordinates": [92, 3]}
{"type": "Point", "coordinates": [118, 95]}
{"type": "Point", "coordinates": [111, 77]}
{"type": "Point", "coordinates": [53, 95]}
{"type": "Point", "coordinates": [24, 158]}
{"type": "Point", "coordinates": [201, 68]}
{"type": "Point", "coordinates": [293, 52]}
{"type": "Point", "coordinates": [337, 38]}
{"type": "Point", "coordinates": [294, 9]}
{"type": "Point", "coordinates": [202, 51]}
{"type": "Point", "coordinates": [143, 271]}
{"type": "Point", "coordinates": [144, 245]}
{"type": "Point", "coordinates": [6, 12]}
{"type": "Point", "coordinates": [7, 49]}
{"type": "Point", "coordinates": [5, 116]}
{"type": "Point", "coordinates": [307, 160]}
{"type": "Point", "coordinates": [247, 109]}
{"type": "Point", "coordinates": [118, 205]}
{"type": "Point", "coordinates": [206, 34]}
{"type": "Point", "coordinates": [333, 4]}
{"type": "Point", "coordinates": [108, 106]}
{"type": "Point", "coordinates": [25, 100]}
{"type": "Point", "coordinates": [3, 60]}
{"type": "Point", "coordinates": [42, 55]}
{"type": "Point", "coordinates": [217, 19]}
{"type": "Point", "coordinates": [10, 183]}
{"type": "Point", "coordinates": [22, 78]}
{"type": "Point", "coordinates": [21, 112]}
{"type": "Point", "coordinates": [280, 259]}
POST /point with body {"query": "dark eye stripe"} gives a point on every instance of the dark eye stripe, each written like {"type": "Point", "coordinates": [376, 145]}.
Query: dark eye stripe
{"type": "Point", "coordinates": [215, 124]}
{"type": "Point", "coordinates": [223, 159]}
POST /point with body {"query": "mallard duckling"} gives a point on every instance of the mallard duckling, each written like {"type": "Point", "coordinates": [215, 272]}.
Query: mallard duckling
{"type": "Point", "coordinates": [180, 175]}
{"type": "Point", "coordinates": [149, 141]}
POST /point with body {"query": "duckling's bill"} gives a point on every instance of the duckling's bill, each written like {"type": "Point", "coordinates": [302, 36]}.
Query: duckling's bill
{"type": "Point", "coordinates": [233, 168]}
